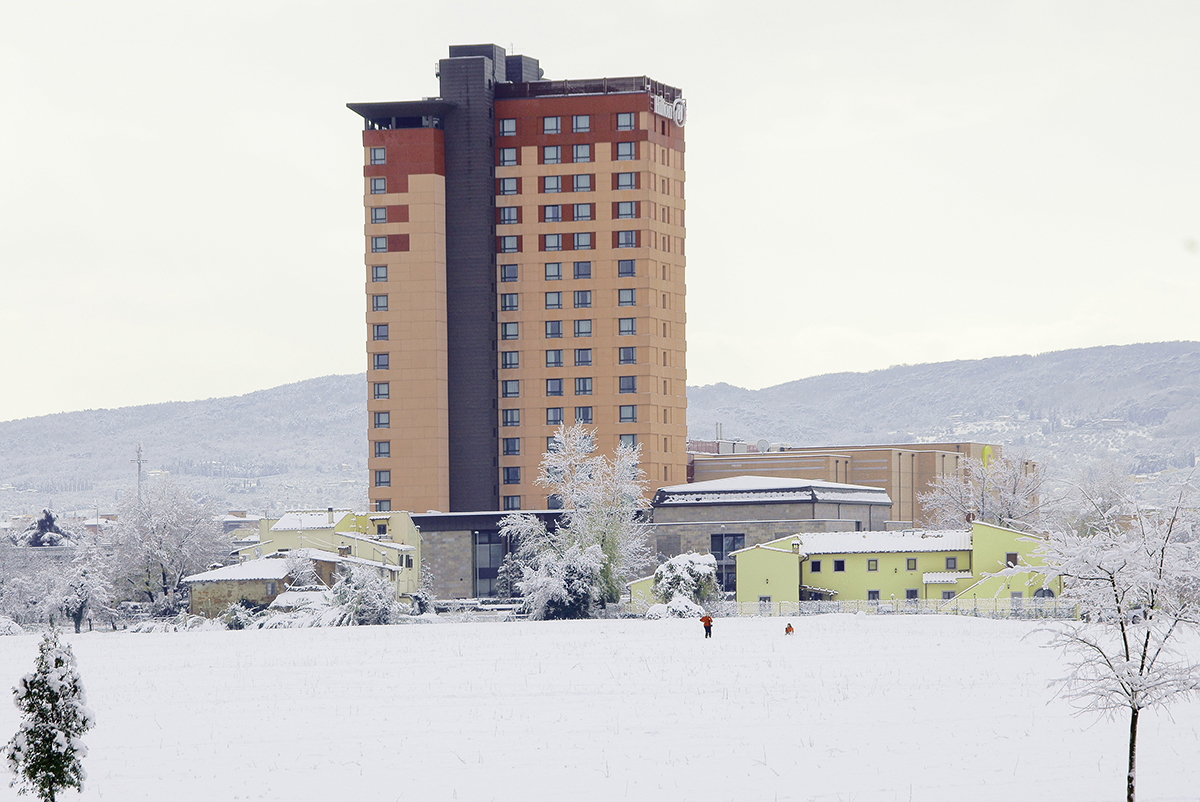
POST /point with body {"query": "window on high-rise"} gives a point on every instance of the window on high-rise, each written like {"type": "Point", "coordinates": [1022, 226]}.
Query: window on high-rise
{"type": "Point", "coordinates": [583, 357]}
{"type": "Point", "coordinates": [551, 125]}
{"type": "Point", "coordinates": [626, 151]}
{"type": "Point", "coordinates": [508, 186]}
{"type": "Point", "coordinates": [627, 325]}
{"type": "Point", "coordinates": [378, 214]}
{"type": "Point", "coordinates": [583, 328]}
{"type": "Point", "coordinates": [552, 214]}
{"type": "Point", "coordinates": [627, 297]}
{"type": "Point", "coordinates": [508, 215]}
{"type": "Point", "coordinates": [626, 210]}
{"type": "Point", "coordinates": [627, 384]}
{"type": "Point", "coordinates": [378, 156]}
{"type": "Point", "coordinates": [554, 387]}
{"type": "Point", "coordinates": [554, 358]}
{"type": "Point", "coordinates": [510, 388]}
{"type": "Point", "coordinates": [512, 476]}
{"type": "Point", "coordinates": [551, 154]}
{"type": "Point", "coordinates": [552, 183]}
{"type": "Point", "coordinates": [553, 271]}
{"type": "Point", "coordinates": [378, 244]}
{"type": "Point", "coordinates": [383, 478]}
{"type": "Point", "coordinates": [583, 240]}
{"type": "Point", "coordinates": [383, 448]}
{"type": "Point", "coordinates": [583, 299]}
{"type": "Point", "coordinates": [508, 272]}
{"type": "Point", "coordinates": [378, 186]}
{"type": "Point", "coordinates": [379, 331]}
{"type": "Point", "coordinates": [507, 127]}
{"type": "Point", "coordinates": [627, 239]}
{"type": "Point", "coordinates": [583, 385]}
{"type": "Point", "coordinates": [508, 302]}
{"type": "Point", "coordinates": [508, 244]}
{"type": "Point", "coordinates": [510, 417]}
{"type": "Point", "coordinates": [378, 273]}
{"type": "Point", "coordinates": [512, 503]}
{"type": "Point", "coordinates": [581, 124]}
{"type": "Point", "coordinates": [626, 268]}
{"type": "Point", "coordinates": [552, 242]}
{"type": "Point", "coordinates": [510, 359]}
{"type": "Point", "coordinates": [581, 211]}
{"type": "Point", "coordinates": [626, 356]}
{"type": "Point", "coordinates": [581, 183]}
{"type": "Point", "coordinates": [381, 390]}
{"type": "Point", "coordinates": [581, 153]}
{"type": "Point", "coordinates": [554, 300]}
{"type": "Point", "coordinates": [629, 440]}
{"type": "Point", "coordinates": [509, 331]}
{"type": "Point", "coordinates": [583, 269]}
{"type": "Point", "coordinates": [627, 413]}
{"type": "Point", "coordinates": [508, 157]}
{"type": "Point", "coordinates": [626, 120]}
{"type": "Point", "coordinates": [554, 416]}
{"type": "Point", "coordinates": [511, 446]}
{"type": "Point", "coordinates": [553, 329]}
{"type": "Point", "coordinates": [624, 181]}
{"type": "Point", "coordinates": [583, 414]}
{"type": "Point", "coordinates": [379, 361]}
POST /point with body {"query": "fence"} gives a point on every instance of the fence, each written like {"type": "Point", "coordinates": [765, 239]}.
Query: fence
{"type": "Point", "coordinates": [981, 608]}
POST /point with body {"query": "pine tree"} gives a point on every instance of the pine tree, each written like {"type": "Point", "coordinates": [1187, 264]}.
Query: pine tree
{"type": "Point", "coordinates": [45, 753]}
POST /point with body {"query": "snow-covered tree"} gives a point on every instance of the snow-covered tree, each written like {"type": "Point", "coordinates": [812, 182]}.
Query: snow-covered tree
{"type": "Point", "coordinates": [361, 597]}
{"type": "Point", "coordinates": [1001, 491]}
{"type": "Point", "coordinates": [46, 752]}
{"type": "Point", "coordinates": [43, 531]}
{"type": "Point", "coordinates": [86, 585]}
{"type": "Point", "coordinates": [601, 539]}
{"type": "Point", "coordinates": [691, 576]}
{"type": "Point", "coordinates": [161, 538]}
{"type": "Point", "coordinates": [1136, 575]}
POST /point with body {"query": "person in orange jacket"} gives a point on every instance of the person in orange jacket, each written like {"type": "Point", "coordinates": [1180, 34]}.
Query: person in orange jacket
{"type": "Point", "coordinates": [789, 629]}
{"type": "Point", "coordinates": [706, 619]}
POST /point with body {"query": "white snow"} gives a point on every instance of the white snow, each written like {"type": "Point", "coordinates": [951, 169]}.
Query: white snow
{"type": "Point", "coordinates": [304, 520]}
{"type": "Point", "coordinates": [865, 708]}
{"type": "Point", "coordinates": [264, 568]}
{"type": "Point", "coordinates": [750, 489]}
{"type": "Point", "coordinates": [883, 542]}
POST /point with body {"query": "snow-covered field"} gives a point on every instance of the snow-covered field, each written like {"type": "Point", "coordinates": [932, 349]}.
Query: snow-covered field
{"type": "Point", "coordinates": [858, 708]}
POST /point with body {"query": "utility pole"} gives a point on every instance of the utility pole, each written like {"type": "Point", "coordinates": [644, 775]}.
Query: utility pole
{"type": "Point", "coordinates": [139, 462]}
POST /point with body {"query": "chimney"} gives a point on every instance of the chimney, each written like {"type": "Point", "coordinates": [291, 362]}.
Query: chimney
{"type": "Point", "coordinates": [331, 515]}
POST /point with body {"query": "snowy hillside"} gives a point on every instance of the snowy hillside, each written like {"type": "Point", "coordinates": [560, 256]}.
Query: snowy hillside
{"type": "Point", "coordinates": [1137, 402]}
{"type": "Point", "coordinates": [304, 444]}
{"type": "Point", "coordinates": [864, 708]}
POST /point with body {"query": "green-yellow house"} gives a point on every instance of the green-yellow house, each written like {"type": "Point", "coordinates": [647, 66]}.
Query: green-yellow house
{"type": "Point", "coordinates": [897, 566]}
{"type": "Point", "coordinates": [387, 540]}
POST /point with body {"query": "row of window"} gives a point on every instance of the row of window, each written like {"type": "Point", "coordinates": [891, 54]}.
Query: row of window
{"type": "Point", "coordinates": [579, 154]}
{"type": "Point", "coordinates": [910, 564]}
{"type": "Point", "coordinates": [554, 357]}
{"type": "Point", "coordinates": [579, 241]}
{"type": "Point", "coordinates": [582, 328]}
{"type": "Point", "coordinates": [626, 268]}
{"type": "Point", "coordinates": [547, 184]}
{"type": "Point", "coordinates": [580, 124]}
{"type": "Point", "coordinates": [511, 388]}
{"type": "Point", "coordinates": [553, 213]}
{"type": "Point", "coordinates": [509, 301]}
{"type": "Point", "coordinates": [511, 446]}
{"type": "Point", "coordinates": [626, 413]}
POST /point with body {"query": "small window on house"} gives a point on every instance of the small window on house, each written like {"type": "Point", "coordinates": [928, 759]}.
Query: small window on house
{"type": "Point", "coordinates": [872, 565]}
{"type": "Point", "coordinates": [839, 565]}
{"type": "Point", "coordinates": [911, 594]}
{"type": "Point", "coordinates": [814, 566]}
{"type": "Point", "coordinates": [872, 595]}
{"type": "Point", "coordinates": [951, 563]}
{"type": "Point", "coordinates": [1010, 559]}
{"type": "Point", "coordinates": [910, 564]}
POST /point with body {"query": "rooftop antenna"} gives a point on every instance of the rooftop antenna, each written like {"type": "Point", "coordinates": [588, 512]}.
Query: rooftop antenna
{"type": "Point", "coordinates": [139, 462]}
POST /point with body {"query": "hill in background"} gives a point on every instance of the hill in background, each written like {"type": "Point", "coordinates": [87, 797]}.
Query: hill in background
{"type": "Point", "coordinates": [304, 444]}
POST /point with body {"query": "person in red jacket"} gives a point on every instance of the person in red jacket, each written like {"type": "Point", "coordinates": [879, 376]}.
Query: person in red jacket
{"type": "Point", "coordinates": [706, 619]}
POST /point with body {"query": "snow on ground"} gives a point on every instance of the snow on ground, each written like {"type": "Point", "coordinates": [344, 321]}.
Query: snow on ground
{"type": "Point", "coordinates": [860, 708]}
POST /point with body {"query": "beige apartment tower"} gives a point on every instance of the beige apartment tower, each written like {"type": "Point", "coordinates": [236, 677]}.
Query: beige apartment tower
{"type": "Point", "coordinates": [525, 268]}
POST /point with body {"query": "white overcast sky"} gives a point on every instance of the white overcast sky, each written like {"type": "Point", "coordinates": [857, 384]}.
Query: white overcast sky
{"type": "Point", "coordinates": [869, 183]}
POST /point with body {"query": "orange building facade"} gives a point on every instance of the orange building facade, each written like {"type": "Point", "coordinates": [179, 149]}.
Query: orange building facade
{"type": "Point", "coordinates": [525, 268]}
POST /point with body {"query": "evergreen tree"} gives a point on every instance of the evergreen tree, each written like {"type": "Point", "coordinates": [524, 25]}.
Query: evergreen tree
{"type": "Point", "coordinates": [45, 753]}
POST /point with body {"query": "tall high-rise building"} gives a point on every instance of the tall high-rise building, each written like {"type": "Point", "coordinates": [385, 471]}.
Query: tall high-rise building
{"type": "Point", "coordinates": [524, 268]}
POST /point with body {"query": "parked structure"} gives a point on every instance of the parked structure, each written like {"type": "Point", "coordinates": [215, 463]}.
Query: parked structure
{"type": "Point", "coordinates": [911, 565]}
{"type": "Point", "coordinates": [524, 265]}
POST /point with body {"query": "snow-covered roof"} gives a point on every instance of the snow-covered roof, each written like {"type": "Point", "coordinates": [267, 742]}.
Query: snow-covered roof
{"type": "Point", "coordinates": [246, 519]}
{"type": "Point", "coordinates": [308, 519]}
{"type": "Point", "coordinates": [883, 542]}
{"type": "Point", "coordinates": [944, 577]}
{"type": "Point", "coordinates": [291, 599]}
{"type": "Point", "coordinates": [265, 568]}
{"type": "Point", "coordinates": [759, 489]}
{"type": "Point", "coordinates": [334, 557]}
{"type": "Point", "coordinates": [815, 589]}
